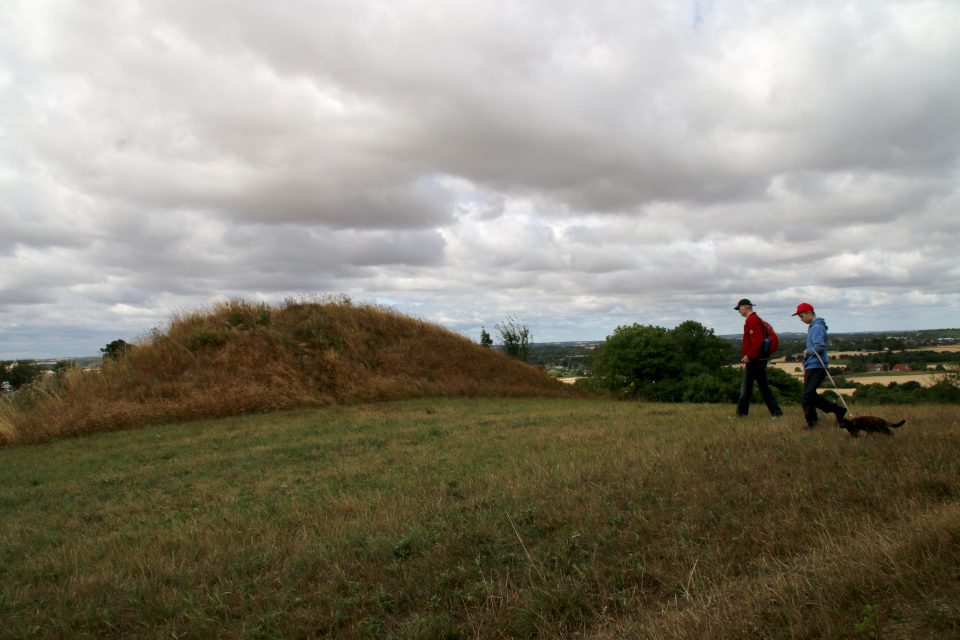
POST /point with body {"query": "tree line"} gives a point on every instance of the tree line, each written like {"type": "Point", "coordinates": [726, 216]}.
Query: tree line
{"type": "Point", "coordinates": [688, 363]}
{"type": "Point", "coordinates": [17, 373]}
{"type": "Point", "coordinates": [945, 390]}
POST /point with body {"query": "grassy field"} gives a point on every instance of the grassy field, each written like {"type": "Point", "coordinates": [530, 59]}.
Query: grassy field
{"type": "Point", "coordinates": [486, 518]}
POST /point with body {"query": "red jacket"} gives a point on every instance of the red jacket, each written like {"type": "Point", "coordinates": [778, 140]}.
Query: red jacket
{"type": "Point", "coordinates": [752, 336]}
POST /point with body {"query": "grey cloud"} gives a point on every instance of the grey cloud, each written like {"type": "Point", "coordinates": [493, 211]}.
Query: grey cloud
{"type": "Point", "coordinates": [12, 297]}
{"type": "Point", "coordinates": [585, 164]}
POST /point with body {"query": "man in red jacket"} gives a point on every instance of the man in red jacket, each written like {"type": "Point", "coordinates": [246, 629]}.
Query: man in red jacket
{"type": "Point", "coordinates": [754, 362]}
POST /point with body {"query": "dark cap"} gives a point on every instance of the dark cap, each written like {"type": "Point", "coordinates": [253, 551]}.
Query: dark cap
{"type": "Point", "coordinates": [741, 303]}
{"type": "Point", "coordinates": [803, 306]}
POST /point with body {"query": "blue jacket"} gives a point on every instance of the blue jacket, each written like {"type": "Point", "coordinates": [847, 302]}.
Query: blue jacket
{"type": "Point", "coordinates": [816, 343]}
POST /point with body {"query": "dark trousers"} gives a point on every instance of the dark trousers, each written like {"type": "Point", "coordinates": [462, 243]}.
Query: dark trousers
{"type": "Point", "coordinates": [811, 400]}
{"type": "Point", "coordinates": [756, 370]}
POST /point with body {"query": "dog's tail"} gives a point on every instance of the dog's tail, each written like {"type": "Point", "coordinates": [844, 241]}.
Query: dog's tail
{"type": "Point", "coordinates": [899, 424]}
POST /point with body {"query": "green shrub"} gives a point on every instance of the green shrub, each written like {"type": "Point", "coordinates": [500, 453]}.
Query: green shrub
{"type": "Point", "coordinates": [20, 373]}
{"type": "Point", "coordinates": [911, 392]}
{"type": "Point", "coordinates": [206, 337]}
{"type": "Point", "coordinates": [241, 314]}
{"type": "Point", "coordinates": [720, 387]}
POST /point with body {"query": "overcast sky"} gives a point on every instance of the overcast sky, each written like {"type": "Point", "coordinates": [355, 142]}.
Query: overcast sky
{"type": "Point", "coordinates": [582, 165]}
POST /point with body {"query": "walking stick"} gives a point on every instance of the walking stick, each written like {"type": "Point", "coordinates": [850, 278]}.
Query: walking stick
{"type": "Point", "coordinates": [825, 368]}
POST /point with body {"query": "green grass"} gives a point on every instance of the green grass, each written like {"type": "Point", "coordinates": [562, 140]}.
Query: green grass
{"type": "Point", "coordinates": [519, 518]}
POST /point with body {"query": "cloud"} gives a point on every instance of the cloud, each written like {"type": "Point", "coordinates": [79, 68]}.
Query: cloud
{"type": "Point", "coordinates": [586, 165]}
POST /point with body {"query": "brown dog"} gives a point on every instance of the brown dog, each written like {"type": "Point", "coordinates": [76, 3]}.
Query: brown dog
{"type": "Point", "coordinates": [870, 424]}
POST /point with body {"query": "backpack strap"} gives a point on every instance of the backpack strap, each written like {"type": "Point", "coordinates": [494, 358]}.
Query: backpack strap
{"type": "Point", "coordinates": [763, 327]}
{"type": "Point", "coordinates": [766, 339]}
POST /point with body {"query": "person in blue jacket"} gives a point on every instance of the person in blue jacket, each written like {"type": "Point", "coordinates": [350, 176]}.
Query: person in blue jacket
{"type": "Point", "coordinates": [815, 362]}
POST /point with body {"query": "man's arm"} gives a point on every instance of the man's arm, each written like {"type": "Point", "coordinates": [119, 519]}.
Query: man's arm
{"type": "Point", "coordinates": [754, 338]}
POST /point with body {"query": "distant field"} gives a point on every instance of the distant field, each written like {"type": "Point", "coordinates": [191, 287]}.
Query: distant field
{"type": "Point", "coordinates": [951, 348]}
{"type": "Point", "coordinates": [487, 519]}
{"type": "Point", "coordinates": [926, 379]}
{"type": "Point", "coordinates": [840, 354]}
{"type": "Point", "coordinates": [843, 392]}
{"type": "Point", "coordinates": [789, 367]}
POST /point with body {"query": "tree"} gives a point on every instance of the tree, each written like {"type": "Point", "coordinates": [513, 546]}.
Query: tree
{"type": "Point", "coordinates": [515, 338]}
{"type": "Point", "coordinates": [685, 364]}
{"type": "Point", "coordinates": [115, 349]}
{"type": "Point", "coordinates": [787, 387]}
{"type": "Point", "coordinates": [485, 339]}
{"type": "Point", "coordinates": [950, 375]}
{"type": "Point", "coordinates": [722, 386]}
{"type": "Point", "coordinates": [640, 361]}
{"type": "Point", "coordinates": [702, 351]}
{"type": "Point", "coordinates": [17, 374]}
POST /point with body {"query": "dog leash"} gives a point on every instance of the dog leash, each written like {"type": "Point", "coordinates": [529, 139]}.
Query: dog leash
{"type": "Point", "coordinates": [827, 369]}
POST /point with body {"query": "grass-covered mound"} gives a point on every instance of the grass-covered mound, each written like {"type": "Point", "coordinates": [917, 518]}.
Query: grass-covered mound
{"type": "Point", "coordinates": [237, 358]}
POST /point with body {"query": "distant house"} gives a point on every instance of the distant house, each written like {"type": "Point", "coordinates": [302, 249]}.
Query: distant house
{"type": "Point", "coordinates": [902, 367]}
{"type": "Point", "coordinates": [876, 366]}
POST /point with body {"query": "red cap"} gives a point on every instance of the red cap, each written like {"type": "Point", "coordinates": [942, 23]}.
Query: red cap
{"type": "Point", "coordinates": [803, 306]}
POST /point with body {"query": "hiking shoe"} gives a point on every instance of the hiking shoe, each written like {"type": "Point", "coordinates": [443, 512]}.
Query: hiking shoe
{"type": "Point", "coordinates": [840, 414]}
{"type": "Point", "coordinates": [776, 416]}
{"type": "Point", "coordinates": [811, 425]}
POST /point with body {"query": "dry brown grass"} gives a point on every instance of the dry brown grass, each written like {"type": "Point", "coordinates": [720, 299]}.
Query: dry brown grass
{"type": "Point", "coordinates": [487, 519]}
{"type": "Point", "coordinates": [235, 358]}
